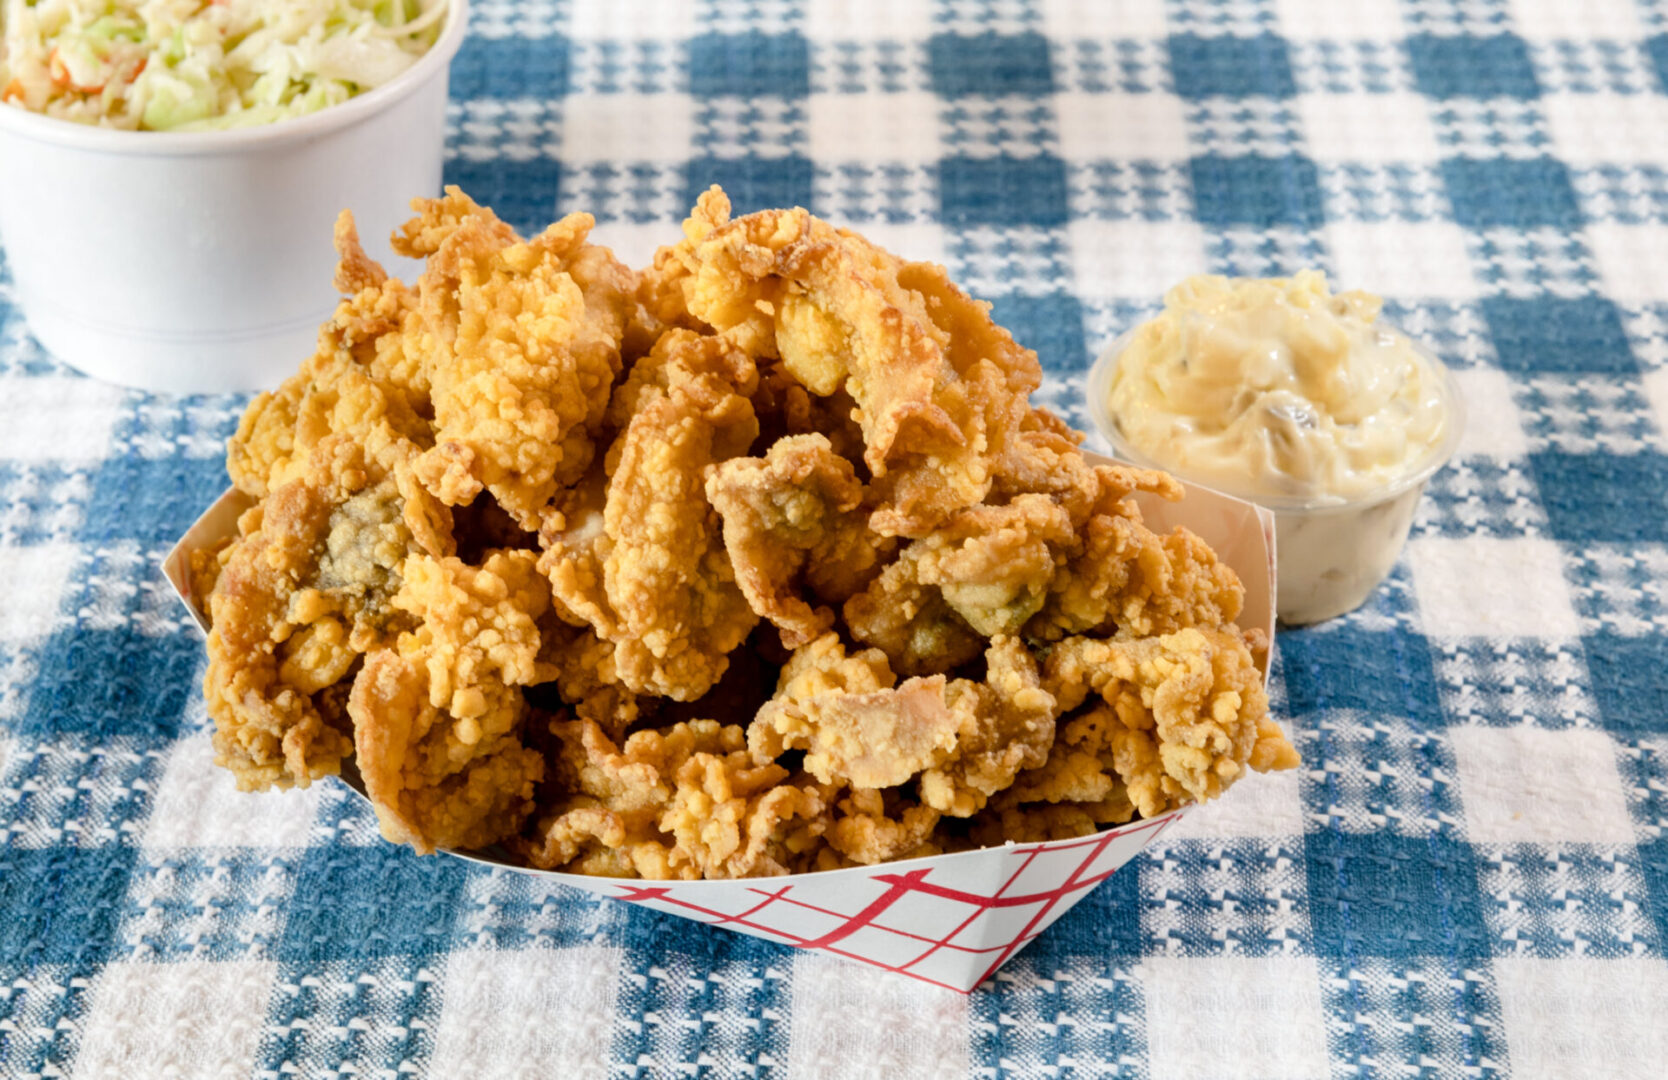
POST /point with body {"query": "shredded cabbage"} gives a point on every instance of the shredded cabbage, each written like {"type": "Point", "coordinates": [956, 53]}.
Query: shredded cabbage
{"type": "Point", "coordinates": [202, 65]}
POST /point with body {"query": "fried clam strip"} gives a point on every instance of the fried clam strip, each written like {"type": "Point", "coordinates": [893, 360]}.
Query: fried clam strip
{"type": "Point", "coordinates": [1075, 792]}
{"type": "Point", "coordinates": [1129, 578]}
{"type": "Point", "coordinates": [302, 593]}
{"type": "Point", "coordinates": [437, 719]}
{"type": "Point", "coordinates": [1191, 715]}
{"type": "Point", "coordinates": [794, 515]}
{"type": "Point", "coordinates": [524, 344]}
{"type": "Point", "coordinates": [983, 574]}
{"type": "Point", "coordinates": [938, 387]}
{"type": "Point", "coordinates": [963, 740]}
{"type": "Point", "coordinates": [686, 802]}
{"type": "Point", "coordinates": [872, 826]}
{"type": "Point", "coordinates": [677, 611]}
{"type": "Point", "coordinates": [358, 383]}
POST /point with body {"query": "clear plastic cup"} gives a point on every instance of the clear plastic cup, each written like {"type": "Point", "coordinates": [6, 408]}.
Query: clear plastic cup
{"type": "Point", "coordinates": [1331, 552]}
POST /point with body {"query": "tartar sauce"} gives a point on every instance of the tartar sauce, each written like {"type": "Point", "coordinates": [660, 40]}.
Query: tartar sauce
{"type": "Point", "coordinates": [1277, 387]}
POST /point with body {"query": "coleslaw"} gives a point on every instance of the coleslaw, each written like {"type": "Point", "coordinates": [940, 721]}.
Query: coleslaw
{"type": "Point", "coordinates": [204, 65]}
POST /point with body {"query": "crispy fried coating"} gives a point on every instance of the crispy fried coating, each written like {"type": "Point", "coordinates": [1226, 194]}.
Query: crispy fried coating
{"type": "Point", "coordinates": [527, 344]}
{"type": "Point", "coordinates": [437, 718]}
{"type": "Point", "coordinates": [798, 506]}
{"type": "Point", "coordinates": [868, 828]}
{"type": "Point", "coordinates": [938, 387]}
{"type": "Point", "coordinates": [1191, 713]}
{"type": "Point", "coordinates": [301, 594]}
{"type": "Point", "coordinates": [685, 802]}
{"type": "Point", "coordinates": [964, 740]}
{"type": "Point", "coordinates": [677, 609]}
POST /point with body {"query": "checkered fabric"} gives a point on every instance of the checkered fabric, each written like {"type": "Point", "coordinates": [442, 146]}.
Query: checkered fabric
{"type": "Point", "coordinates": [1467, 878]}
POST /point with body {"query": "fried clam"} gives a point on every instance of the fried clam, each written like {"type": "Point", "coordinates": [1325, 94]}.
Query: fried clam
{"type": "Point", "coordinates": [438, 717]}
{"type": "Point", "coordinates": [358, 384]}
{"type": "Point", "coordinates": [962, 741]}
{"type": "Point", "coordinates": [794, 519]}
{"type": "Point", "coordinates": [938, 388]}
{"type": "Point", "coordinates": [302, 594]}
{"type": "Point", "coordinates": [1188, 715]}
{"type": "Point", "coordinates": [523, 346]}
{"type": "Point", "coordinates": [982, 574]}
{"type": "Point", "coordinates": [684, 802]}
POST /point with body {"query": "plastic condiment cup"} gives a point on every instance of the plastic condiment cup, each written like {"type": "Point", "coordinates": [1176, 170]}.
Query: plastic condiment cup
{"type": "Point", "coordinates": [197, 262]}
{"type": "Point", "coordinates": [1331, 551]}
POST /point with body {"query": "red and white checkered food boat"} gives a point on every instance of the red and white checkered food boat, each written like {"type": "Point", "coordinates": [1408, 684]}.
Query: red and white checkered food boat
{"type": "Point", "coordinates": [950, 920]}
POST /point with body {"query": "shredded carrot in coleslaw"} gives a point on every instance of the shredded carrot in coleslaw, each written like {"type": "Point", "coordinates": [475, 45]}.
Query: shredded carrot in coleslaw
{"type": "Point", "coordinates": [190, 65]}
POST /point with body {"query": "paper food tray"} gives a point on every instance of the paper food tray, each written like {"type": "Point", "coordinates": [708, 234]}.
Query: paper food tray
{"type": "Point", "coordinates": [950, 920]}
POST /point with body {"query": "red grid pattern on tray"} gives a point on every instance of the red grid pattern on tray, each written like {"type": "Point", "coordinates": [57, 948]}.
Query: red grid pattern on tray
{"type": "Point", "coordinates": [865, 934]}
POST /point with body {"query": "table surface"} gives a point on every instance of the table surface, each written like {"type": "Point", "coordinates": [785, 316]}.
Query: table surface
{"type": "Point", "coordinates": [1467, 877]}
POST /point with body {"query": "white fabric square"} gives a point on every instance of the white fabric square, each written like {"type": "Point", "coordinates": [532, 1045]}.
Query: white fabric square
{"type": "Point", "coordinates": [58, 418]}
{"type": "Point", "coordinates": [1655, 385]}
{"type": "Point", "coordinates": [852, 1021]}
{"type": "Point", "coordinates": [634, 243]}
{"type": "Point", "coordinates": [915, 241]}
{"type": "Point", "coordinates": [1632, 260]}
{"type": "Point", "coordinates": [1068, 19]}
{"type": "Point", "coordinates": [1478, 586]}
{"type": "Point", "coordinates": [1356, 20]}
{"type": "Point", "coordinates": [628, 128]}
{"type": "Point", "coordinates": [527, 1014]}
{"type": "Point", "coordinates": [1534, 785]}
{"type": "Point", "coordinates": [872, 128]}
{"type": "Point", "coordinates": [1589, 19]}
{"type": "Point", "coordinates": [1121, 127]}
{"type": "Point", "coordinates": [198, 805]}
{"type": "Point", "coordinates": [1584, 1016]}
{"type": "Point", "coordinates": [1607, 129]}
{"type": "Point", "coordinates": [1260, 805]}
{"type": "Point", "coordinates": [198, 1018]}
{"type": "Point", "coordinates": [866, 20]}
{"type": "Point", "coordinates": [1234, 1018]}
{"type": "Point", "coordinates": [628, 22]}
{"type": "Point", "coordinates": [1493, 427]}
{"type": "Point", "coordinates": [39, 578]}
{"type": "Point", "coordinates": [1135, 259]}
{"type": "Point", "coordinates": [1402, 259]}
{"type": "Point", "coordinates": [1376, 129]}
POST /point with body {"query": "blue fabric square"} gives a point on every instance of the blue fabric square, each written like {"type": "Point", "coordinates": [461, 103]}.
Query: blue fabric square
{"type": "Point", "coordinates": [1342, 666]}
{"type": "Point", "coordinates": [1384, 895]}
{"type": "Point", "coordinates": [43, 501]}
{"type": "Point", "coordinates": [751, 182]}
{"type": "Point", "coordinates": [1002, 190]}
{"type": "Point", "coordinates": [354, 903]}
{"type": "Point", "coordinates": [749, 65]}
{"type": "Point", "coordinates": [320, 1010]}
{"type": "Point", "coordinates": [1510, 193]}
{"type": "Point", "coordinates": [1629, 680]}
{"type": "Point", "coordinates": [1052, 324]}
{"type": "Point", "coordinates": [210, 906]}
{"type": "Point", "coordinates": [990, 63]}
{"type": "Point", "coordinates": [1598, 497]}
{"type": "Point", "coordinates": [1464, 65]}
{"type": "Point", "coordinates": [1224, 65]}
{"type": "Point", "coordinates": [523, 193]}
{"type": "Point", "coordinates": [1256, 190]}
{"type": "Point", "coordinates": [62, 905]}
{"type": "Point", "coordinates": [151, 500]}
{"type": "Point", "coordinates": [1549, 335]}
{"type": "Point", "coordinates": [511, 68]}
{"type": "Point", "coordinates": [753, 986]}
{"type": "Point", "coordinates": [1653, 864]}
{"type": "Point", "coordinates": [1657, 49]}
{"type": "Point", "coordinates": [107, 683]}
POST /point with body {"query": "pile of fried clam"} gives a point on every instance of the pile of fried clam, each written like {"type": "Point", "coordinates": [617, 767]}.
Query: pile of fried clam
{"type": "Point", "coordinates": [757, 561]}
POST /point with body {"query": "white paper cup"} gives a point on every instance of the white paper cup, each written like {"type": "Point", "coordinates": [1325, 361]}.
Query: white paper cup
{"type": "Point", "coordinates": [1332, 552]}
{"type": "Point", "coordinates": [201, 262]}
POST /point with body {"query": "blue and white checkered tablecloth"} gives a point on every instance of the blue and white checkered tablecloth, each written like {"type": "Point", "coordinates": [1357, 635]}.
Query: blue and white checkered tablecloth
{"type": "Point", "coordinates": [1467, 878]}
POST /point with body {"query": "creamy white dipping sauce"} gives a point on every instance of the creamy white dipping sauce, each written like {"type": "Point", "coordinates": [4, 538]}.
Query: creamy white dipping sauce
{"type": "Point", "coordinates": [1277, 387]}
